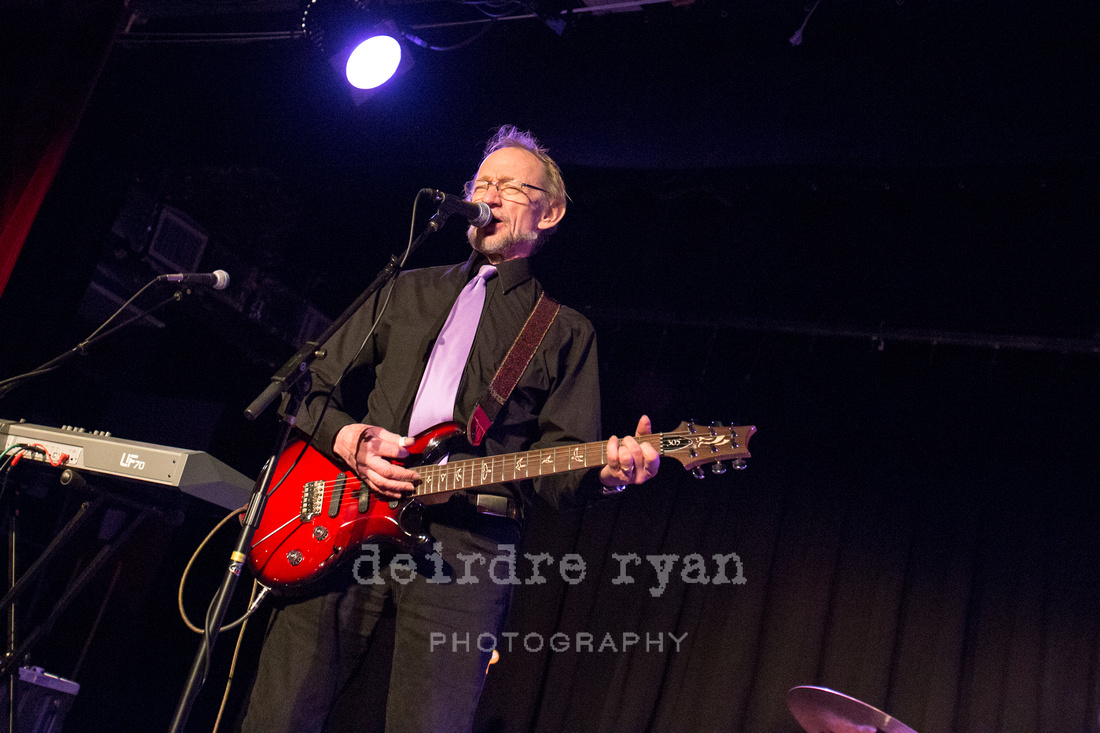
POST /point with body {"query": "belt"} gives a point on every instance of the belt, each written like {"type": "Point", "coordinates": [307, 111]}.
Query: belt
{"type": "Point", "coordinates": [494, 505]}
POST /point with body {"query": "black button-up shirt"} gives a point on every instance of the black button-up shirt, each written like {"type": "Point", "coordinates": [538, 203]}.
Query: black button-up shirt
{"type": "Point", "coordinates": [556, 402]}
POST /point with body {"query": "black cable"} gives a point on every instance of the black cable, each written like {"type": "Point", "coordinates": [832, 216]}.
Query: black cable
{"type": "Point", "coordinates": [347, 368]}
{"type": "Point", "coordinates": [485, 29]}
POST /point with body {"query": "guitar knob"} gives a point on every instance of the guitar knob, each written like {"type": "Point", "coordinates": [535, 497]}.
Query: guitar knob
{"type": "Point", "coordinates": [294, 557]}
{"type": "Point", "coordinates": [697, 472]}
{"type": "Point", "coordinates": [718, 468]}
{"type": "Point", "coordinates": [320, 533]}
{"type": "Point", "coordinates": [740, 464]}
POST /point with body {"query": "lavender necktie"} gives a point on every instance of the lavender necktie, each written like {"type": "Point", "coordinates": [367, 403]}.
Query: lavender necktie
{"type": "Point", "coordinates": [435, 400]}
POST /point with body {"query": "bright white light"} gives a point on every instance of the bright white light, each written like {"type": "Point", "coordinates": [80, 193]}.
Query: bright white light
{"type": "Point", "coordinates": [373, 62]}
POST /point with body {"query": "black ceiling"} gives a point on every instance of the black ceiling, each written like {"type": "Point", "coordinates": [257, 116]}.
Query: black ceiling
{"type": "Point", "coordinates": [703, 84]}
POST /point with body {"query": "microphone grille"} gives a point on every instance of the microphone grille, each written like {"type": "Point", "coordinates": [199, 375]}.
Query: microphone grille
{"type": "Point", "coordinates": [221, 279]}
{"type": "Point", "coordinates": [485, 215]}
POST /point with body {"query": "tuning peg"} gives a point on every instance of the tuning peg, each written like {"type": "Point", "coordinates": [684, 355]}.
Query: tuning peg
{"type": "Point", "coordinates": [697, 472]}
{"type": "Point", "coordinates": [718, 468]}
{"type": "Point", "coordinates": [740, 464]}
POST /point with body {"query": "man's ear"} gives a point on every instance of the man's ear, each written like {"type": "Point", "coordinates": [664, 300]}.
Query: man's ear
{"type": "Point", "coordinates": [551, 216]}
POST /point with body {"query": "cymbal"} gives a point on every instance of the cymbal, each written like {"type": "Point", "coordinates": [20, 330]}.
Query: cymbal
{"type": "Point", "coordinates": [821, 710]}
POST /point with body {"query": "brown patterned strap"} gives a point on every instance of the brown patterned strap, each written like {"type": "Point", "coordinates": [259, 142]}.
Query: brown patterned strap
{"type": "Point", "coordinates": [513, 367]}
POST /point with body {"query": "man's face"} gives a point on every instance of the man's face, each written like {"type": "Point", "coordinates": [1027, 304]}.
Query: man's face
{"type": "Point", "coordinates": [518, 220]}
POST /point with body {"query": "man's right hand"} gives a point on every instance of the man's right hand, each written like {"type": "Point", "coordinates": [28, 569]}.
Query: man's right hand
{"type": "Point", "coordinates": [369, 450]}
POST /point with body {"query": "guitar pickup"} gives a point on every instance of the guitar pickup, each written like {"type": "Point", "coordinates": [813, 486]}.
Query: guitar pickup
{"type": "Point", "coordinates": [337, 496]}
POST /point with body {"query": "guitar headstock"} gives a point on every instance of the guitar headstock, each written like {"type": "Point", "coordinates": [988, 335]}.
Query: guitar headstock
{"type": "Point", "coordinates": [697, 445]}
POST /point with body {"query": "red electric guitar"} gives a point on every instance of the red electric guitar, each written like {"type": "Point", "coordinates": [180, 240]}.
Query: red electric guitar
{"type": "Point", "coordinates": [318, 513]}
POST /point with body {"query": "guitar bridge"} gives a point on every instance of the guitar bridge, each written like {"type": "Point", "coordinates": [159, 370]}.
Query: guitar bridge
{"type": "Point", "coordinates": [313, 500]}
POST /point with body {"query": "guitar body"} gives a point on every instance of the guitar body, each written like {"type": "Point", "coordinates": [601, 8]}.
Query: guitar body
{"type": "Point", "coordinates": [320, 514]}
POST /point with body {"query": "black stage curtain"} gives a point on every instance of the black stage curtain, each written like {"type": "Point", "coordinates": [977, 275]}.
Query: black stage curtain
{"type": "Point", "coordinates": [916, 528]}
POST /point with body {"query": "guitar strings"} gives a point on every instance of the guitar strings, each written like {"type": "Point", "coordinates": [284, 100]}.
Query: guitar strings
{"type": "Point", "coordinates": [354, 483]}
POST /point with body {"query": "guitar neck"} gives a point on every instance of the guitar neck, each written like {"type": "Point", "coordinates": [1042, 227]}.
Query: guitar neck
{"type": "Point", "coordinates": [473, 472]}
{"type": "Point", "coordinates": [691, 445]}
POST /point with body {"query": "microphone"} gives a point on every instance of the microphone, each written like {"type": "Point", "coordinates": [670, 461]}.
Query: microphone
{"type": "Point", "coordinates": [477, 214]}
{"type": "Point", "coordinates": [218, 279]}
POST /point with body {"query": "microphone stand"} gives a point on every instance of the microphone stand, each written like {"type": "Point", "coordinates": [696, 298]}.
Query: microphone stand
{"type": "Point", "coordinates": [288, 381]}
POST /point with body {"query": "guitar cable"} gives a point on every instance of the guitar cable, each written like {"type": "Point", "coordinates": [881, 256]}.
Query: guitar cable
{"type": "Point", "coordinates": [257, 598]}
{"type": "Point", "coordinates": [254, 602]}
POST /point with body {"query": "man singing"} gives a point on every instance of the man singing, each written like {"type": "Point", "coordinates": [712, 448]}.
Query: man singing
{"type": "Point", "coordinates": [406, 361]}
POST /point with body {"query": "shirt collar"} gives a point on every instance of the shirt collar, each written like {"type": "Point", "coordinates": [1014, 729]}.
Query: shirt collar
{"type": "Point", "coordinates": [511, 274]}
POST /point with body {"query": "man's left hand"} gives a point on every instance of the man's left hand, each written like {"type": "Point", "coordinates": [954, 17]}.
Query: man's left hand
{"type": "Point", "coordinates": [628, 461]}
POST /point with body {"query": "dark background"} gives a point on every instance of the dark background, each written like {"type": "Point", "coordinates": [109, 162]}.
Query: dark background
{"type": "Point", "coordinates": [877, 246]}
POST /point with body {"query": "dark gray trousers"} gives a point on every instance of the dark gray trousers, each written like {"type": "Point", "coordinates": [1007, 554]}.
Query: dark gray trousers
{"type": "Point", "coordinates": [449, 611]}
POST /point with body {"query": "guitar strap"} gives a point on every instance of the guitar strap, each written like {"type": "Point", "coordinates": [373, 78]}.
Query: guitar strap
{"type": "Point", "coordinates": [512, 368]}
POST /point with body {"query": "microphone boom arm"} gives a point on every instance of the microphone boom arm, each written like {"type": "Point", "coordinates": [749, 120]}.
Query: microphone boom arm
{"type": "Point", "coordinates": [98, 335]}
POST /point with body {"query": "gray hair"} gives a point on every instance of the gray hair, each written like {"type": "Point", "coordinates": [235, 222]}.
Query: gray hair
{"type": "Point", "coordinates": [508, 136]}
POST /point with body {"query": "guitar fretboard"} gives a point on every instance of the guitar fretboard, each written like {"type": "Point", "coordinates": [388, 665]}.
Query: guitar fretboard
{"type": "Point", "coordinates": [473, 472]}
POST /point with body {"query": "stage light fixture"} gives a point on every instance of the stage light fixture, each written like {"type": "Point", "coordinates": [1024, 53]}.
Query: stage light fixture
{"type": "Point", "coordinates": [365, 47]}
{"type": "Point", "coordinates": [373, 62]}
{"type": "Point", "coordinates": [370, 59]}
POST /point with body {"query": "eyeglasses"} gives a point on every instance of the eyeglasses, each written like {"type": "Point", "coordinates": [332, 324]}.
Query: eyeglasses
{"type": "Point", "coordinates": [508, 190]}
